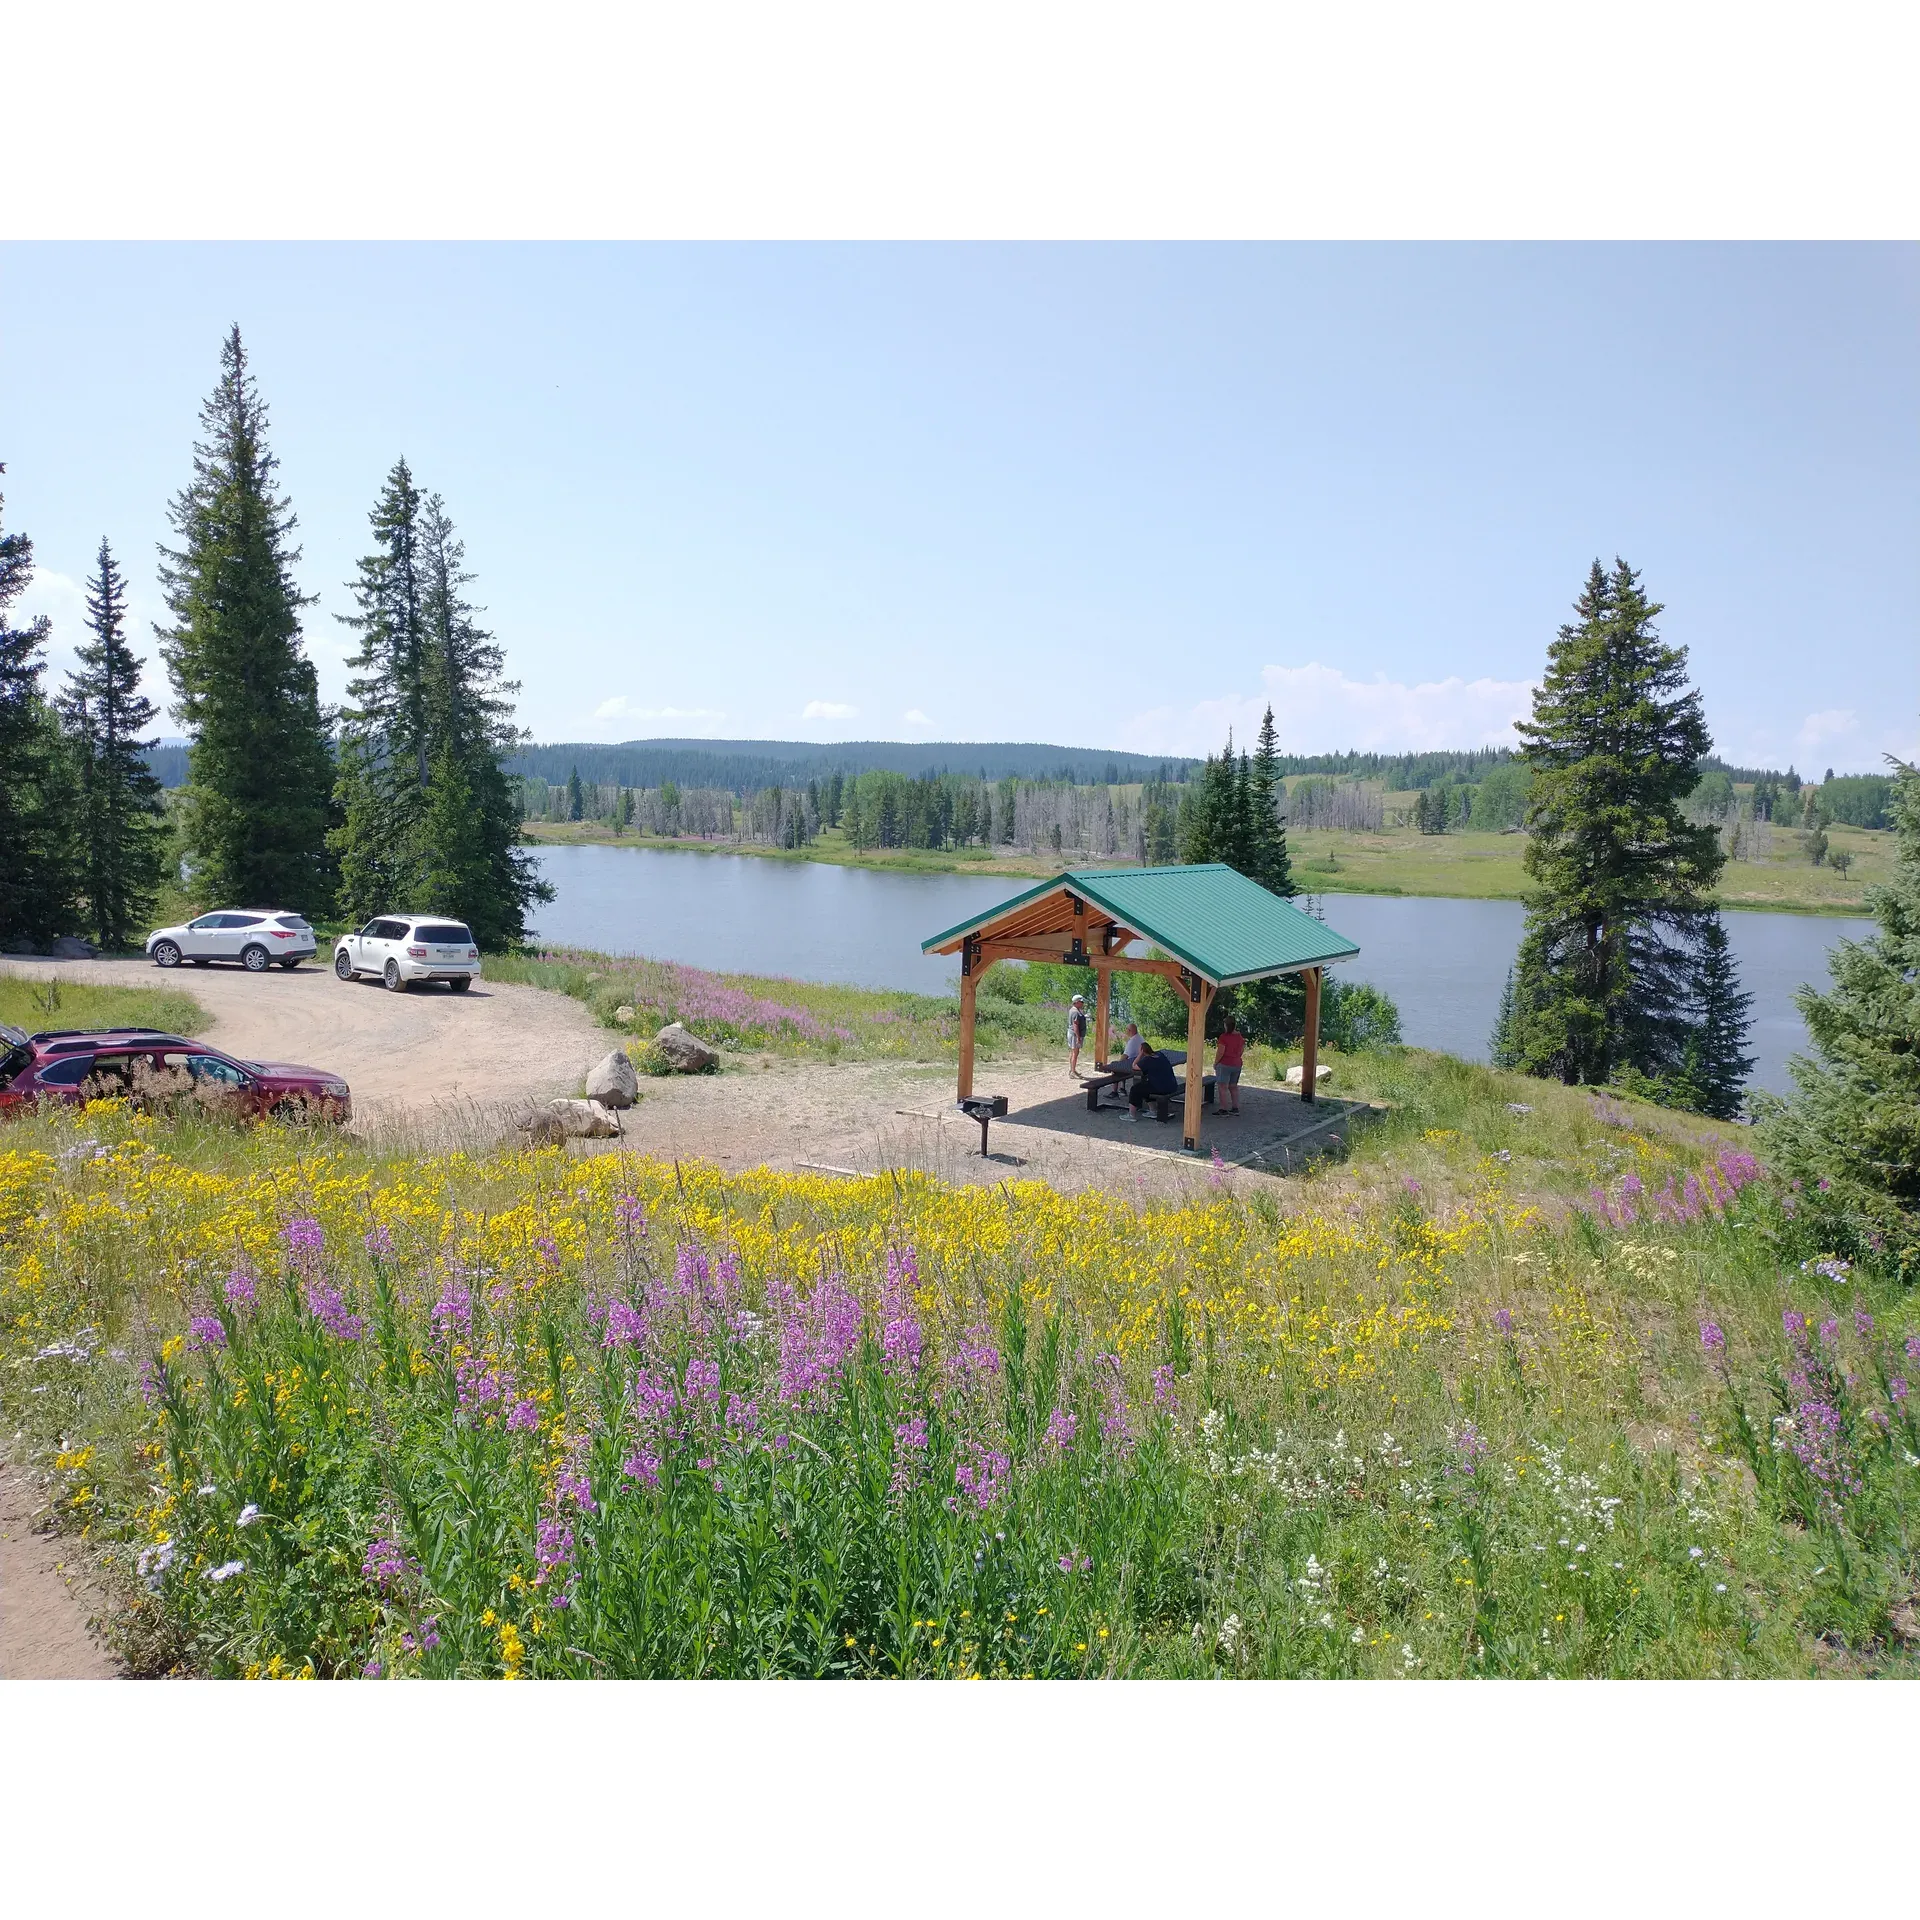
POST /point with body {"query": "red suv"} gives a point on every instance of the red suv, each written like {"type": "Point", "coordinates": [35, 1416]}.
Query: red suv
{"type": "Point", "coordinates": [153, 1067]}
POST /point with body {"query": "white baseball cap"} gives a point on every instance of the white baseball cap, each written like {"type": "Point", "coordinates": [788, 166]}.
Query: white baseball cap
{"type": "Point", "coordinates": [1079, 999]}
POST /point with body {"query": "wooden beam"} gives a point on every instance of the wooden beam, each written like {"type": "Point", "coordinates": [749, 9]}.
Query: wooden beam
{"type": "Point", "coordinates": [991, 950]}
{"type": "Point", "coordinates": [1102, 1010]}
{"type": "Point", "coordinates": [1200, 997]}
{"type": "Point", "coordinates": [1310, 1040]}
{"type": "Point", "coordinates": [971, 969]}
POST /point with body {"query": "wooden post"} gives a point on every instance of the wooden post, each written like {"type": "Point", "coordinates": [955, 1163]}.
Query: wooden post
{"type": "Point", "coordinates": [969, 984]}
{"type": "Point", "coordinates": [1310, 1040]}
{"type": "Point", "coordinates": [1200, 997]}
{"type": "Point", "coordinates": [1102, 1012]}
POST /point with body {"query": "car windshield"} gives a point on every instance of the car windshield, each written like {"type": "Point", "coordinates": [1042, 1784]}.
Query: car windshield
{"type": "Point", "coordinates": [444, 934]}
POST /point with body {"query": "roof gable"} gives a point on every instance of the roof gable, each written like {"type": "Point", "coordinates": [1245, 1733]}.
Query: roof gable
{"type": "Point", "coordinates": [1224, 926]}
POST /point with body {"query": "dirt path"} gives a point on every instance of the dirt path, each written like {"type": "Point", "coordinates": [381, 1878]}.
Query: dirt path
{"type": "Point", "coordinates": [44, 1598]}
{"type": "Point", "coordinates": [399, 1052]}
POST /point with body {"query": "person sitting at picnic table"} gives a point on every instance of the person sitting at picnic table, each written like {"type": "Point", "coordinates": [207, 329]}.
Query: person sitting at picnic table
{"type": "Point", "coordinates": [1229, 1053]}
{"type": "Point", "coordinates": [1076, 1032]}
{"type": "Point", "coordinates": [1130, 1053]}
{"type": "Point", "coordinates": [1154, 1080]}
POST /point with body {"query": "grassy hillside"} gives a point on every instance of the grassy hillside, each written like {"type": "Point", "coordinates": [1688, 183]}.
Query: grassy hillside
{"type": "Point", "coordinates": [37, 1005]}
{"type": "Point", "coordinates": [754, 1424]}
{"type": "Point", "coordinates": [1472, 866]}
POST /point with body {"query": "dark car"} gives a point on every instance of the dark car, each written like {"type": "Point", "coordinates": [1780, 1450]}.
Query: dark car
{"type": "Point", "coordinates": [154, 1068]}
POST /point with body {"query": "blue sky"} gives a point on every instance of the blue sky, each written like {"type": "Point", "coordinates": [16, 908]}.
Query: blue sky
{"type": "Point", "coordinates": [1112, 496]}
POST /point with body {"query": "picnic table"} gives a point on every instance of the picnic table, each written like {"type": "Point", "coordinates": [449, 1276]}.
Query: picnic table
{"type": "Point", "coordinates": [1117, 1074]}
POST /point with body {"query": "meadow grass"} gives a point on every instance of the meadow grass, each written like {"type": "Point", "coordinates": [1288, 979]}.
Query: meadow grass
{"type": "Point", "coordinates": [1461, 866]}
{"type": "Point", "coordinates": [39, 1005]}
{"type": "Point", "coordinates": [755, 1013]}
{"type": "Point", "coordinates": [326, 1410]}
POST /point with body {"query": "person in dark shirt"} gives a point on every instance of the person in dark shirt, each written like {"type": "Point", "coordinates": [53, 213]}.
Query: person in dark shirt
{"type": "Point", "coordinates": [1155, 1077]}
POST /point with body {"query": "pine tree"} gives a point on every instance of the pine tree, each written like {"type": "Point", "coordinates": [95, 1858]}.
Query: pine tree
{"type": "Point", "coordinates": [1503, 1050]}
{"type": "Point", "coordinates": [121, 815]}
{"type": "Point", "coordinates": [576, 796]}
{"type": "Point", "coordinates": [1605, 974]}
{"type": "Point", "coordinates": [37, 853]}
{"type": "Point", "coordinates": [1267, 853]}
{"type": "Point", "coordinates": [1854, 1119]}
{"type": "Point", "coordinates": [254, 809]}
{"type": "Point", "coordinates": [1714, 1058]}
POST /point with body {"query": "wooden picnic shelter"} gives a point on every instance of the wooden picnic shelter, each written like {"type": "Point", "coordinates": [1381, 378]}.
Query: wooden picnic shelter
{"type": "Point", "coordinates": [1212, 926]}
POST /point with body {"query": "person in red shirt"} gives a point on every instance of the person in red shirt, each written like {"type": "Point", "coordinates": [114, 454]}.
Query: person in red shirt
{"type": "Point", "coordinates": [1229, 1053]}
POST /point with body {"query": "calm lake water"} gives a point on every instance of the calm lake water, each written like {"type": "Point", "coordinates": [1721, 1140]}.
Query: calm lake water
{"type": "Point", "coordinates": [1443, 961]}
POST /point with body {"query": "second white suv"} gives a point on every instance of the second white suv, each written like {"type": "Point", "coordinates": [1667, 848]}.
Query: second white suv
{"type": "Point", "coordinates": [400, 948]}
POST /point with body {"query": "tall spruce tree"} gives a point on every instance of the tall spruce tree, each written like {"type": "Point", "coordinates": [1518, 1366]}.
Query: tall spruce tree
{"type": "Point", "coordinates": [1605, 977]}
{"type": "Point", "coordinates": [1267, 853]}
{"type": "Point", "coordinates": [470, 715]}
{"type": "Point", "coordinates": [121, 814]}
{"type": "Point", "coordinates": [37, 852]}
{"type": "Point", "coordinates": [1715, 1062]}
{"type": "Point", "coordinates": [1854, 1118]}
{"type": "Point", "coordinates": [386, 743]}
{"type": "Point", "coordinates": [254, 809]}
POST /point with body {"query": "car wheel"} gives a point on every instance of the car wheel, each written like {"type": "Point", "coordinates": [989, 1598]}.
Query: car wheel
{"type": "Point", "coordinates": [392, 977]}
{"type": "Point", "coordinates": [166, 954]}
{"type": "Point", "coordinates": [459, 986]}
{"type": "Point", "coordinates": [256, 959]}
{"type": "Point", "coordinates": [342, 965]}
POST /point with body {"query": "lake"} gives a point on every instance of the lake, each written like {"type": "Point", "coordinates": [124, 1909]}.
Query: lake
{"type": "Point", "coordinates": [1443, 961]}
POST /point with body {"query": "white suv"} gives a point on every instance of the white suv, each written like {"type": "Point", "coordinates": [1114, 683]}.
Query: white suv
{"type": "Point", "coordinates": [404, 947]}
{"type": "Point", "coordinates": [257, 938]}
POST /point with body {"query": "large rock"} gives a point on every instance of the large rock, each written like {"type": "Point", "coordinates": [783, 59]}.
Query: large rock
{"type": "Point", "coordinates": [624, 1015]}
{"type": "Point", "coordinates": [18, 945]}
{"type": "Point", "coordinates": [1296, 1075]}
{"type": "Point", "coordinates": [569, 1120]}
{"type": "Point", "coordinates": [613, 1081]}
{"type": "Point", "coordinates": [68, 947]}
{"type": "Point", "coordinates": [685, 1052]}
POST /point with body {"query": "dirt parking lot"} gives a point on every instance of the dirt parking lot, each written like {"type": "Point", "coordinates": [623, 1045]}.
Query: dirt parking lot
{"type": "Point", "coordinates": [399, 1052]}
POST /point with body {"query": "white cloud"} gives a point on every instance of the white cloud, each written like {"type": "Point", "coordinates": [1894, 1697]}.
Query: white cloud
{"type": "Point", "coordinates": [1319, 710]}
{"type": "Point", "coordinates": [620, 707]}
{"type": "Point", "coordinates": [913, 717]}
{"type": "Point", "coordinates": [1819, 730]}
{"type": "Point", "coordinates": [827, 710]}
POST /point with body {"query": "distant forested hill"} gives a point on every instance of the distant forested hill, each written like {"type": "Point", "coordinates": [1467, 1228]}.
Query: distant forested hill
{"type": "Point", "coordinates": [747, 766]}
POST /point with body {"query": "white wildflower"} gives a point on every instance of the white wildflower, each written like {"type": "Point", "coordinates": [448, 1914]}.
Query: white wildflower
{"type": "Point", "coordinates": [225, 1571]}
{"type": "Point", "coordinates": [248, 1515]}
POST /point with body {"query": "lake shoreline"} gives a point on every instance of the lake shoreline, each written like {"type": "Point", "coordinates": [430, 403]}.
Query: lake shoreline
{"type": "Point", "coordinates": [1032, 869]}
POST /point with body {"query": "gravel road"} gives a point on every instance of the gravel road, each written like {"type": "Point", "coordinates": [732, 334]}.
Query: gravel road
{"type": "Point", "coordinates": [397, 1051]}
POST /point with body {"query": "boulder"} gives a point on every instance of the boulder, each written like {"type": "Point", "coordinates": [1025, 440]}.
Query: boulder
{"type": "Point", "coordinates": [613, 1081]}
{"type": "Point", "coordinates": [685, 1052]}
{"type": "Point", "coordinates": [1296, 1075]}
{"type": "Point", "coordinates": [569, 1120]}
{"type": "Point", "coordinates": [68, 947]}
{"type": "Point", "coordinates": [18, 946]}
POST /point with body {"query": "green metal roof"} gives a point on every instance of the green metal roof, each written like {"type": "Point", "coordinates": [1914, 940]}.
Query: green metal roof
{"type": "Point", "coordinates": [1218, 922]}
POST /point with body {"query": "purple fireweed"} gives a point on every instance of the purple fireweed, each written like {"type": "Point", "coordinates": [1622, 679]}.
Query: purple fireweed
{"type": "Point", "coordinates": [1470, 1446]}
{"type": "Point", "coordinates": [909, 1455]}
{"type": "Point", "coordinates": [1164, 1395]}
{"type": "Point", "coordinates": [1503, 1321]}
{"type": "Point", "coordinates": [743, 1416]}
{"type": "Point", "coordinates": [817, 1338]}
{"type": "Point", "coordinates": [304, 1238]}
{"type": "Point", "coordinates": [570, 1483]}
{"type": "Point", "coordinates": [1793, 1324]}
{"type": "Point", "coordinates": [1862, 1322]}
{"type": "Point", "coordinates": [630, 1210]}
{"type": "Point", "coordinates": [626, 1325]}
{"type": "Point", "coordinates": [326, 1306]}
{"type": "Point", "coordinates": [452, 1313]}
{"type": "Point", "coordinates": [653, 1400]}
{"type": "Point", "coordinates": [1711, 1337]}
{"type": "Point", "coordinates": [1061, 1428]}
{"type": "Point", "coordinates": [522, 1417]}
{"type": "Point", "coordinates": [981, 1476]}
{"type": "Point", "coordinates": [207, 1330]}
{"type": "Point", "coordinates": [377, 1241]}
{"type": "Point", "coordinates": [643, 1465]}
{"type": "Point", "coordinates": [703, 1380]}
{"type": "Point", "coordinates": [429, 1636]}
{"type": "Point", "coordinates": [387, 1563]}
{"type": "Point", "coordinates": [239, 1289]}
{"type": "Point", "coordinates": [974, 1358]}
{"type": "Point", "coordinates": [1913, 1347]}
{"type": "Point", "coordinates": [553, 1551]}
{"type": "Point", "coordinates": [901, 1341]}
{"type": "Point", "coordinates": [1829, 1332]}
{"type": "Point", "coordinates": [1897, 1387]}
{"type": "Point", "coordinates": [1116, 1424]}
